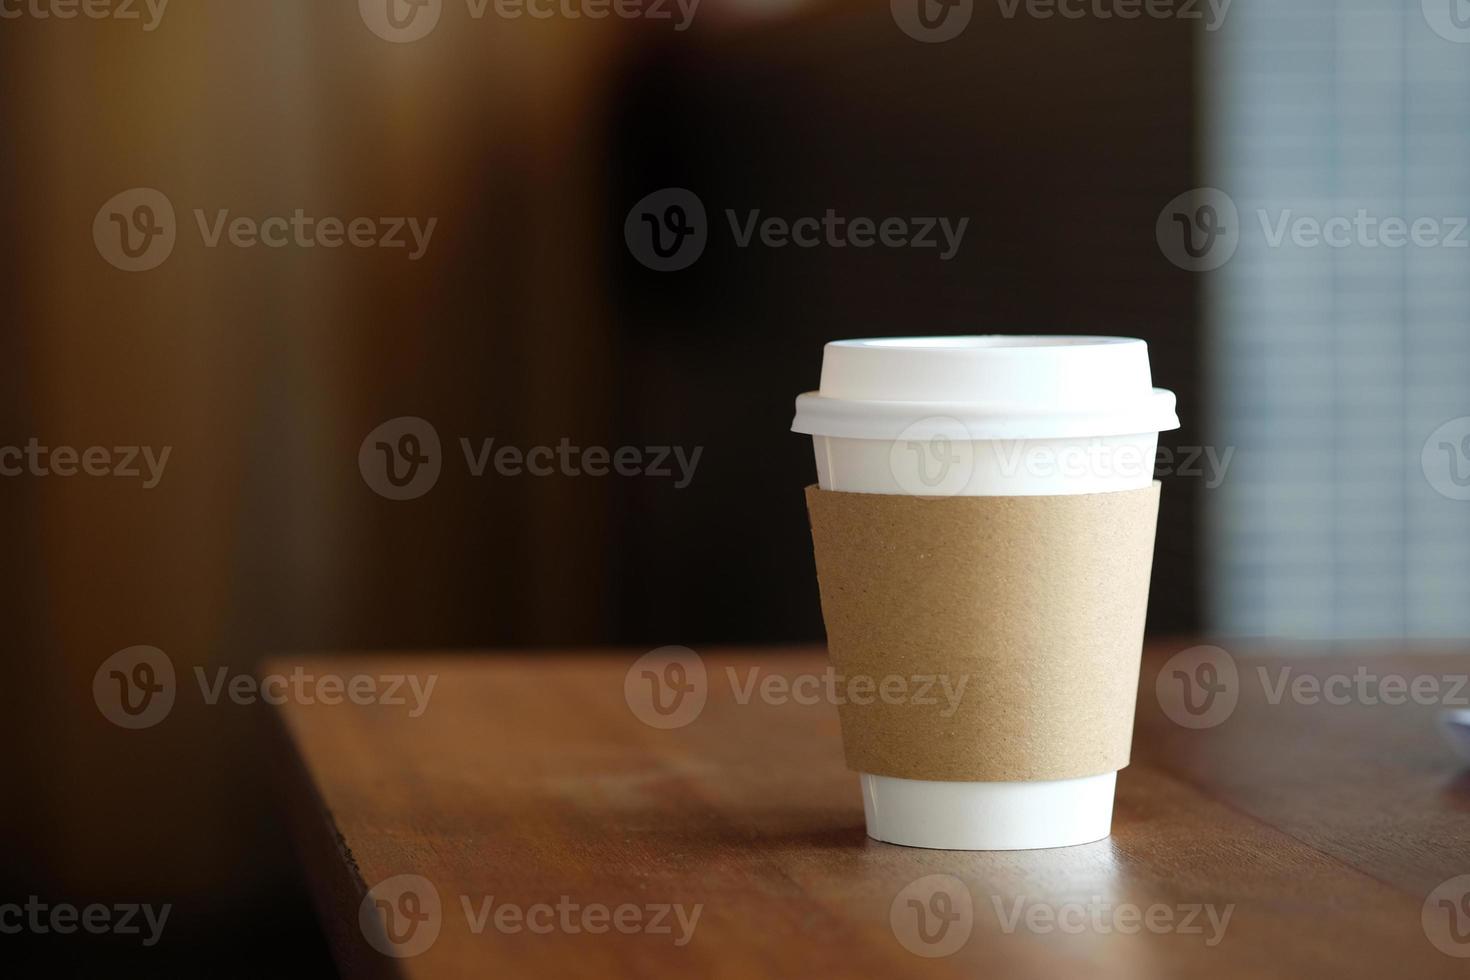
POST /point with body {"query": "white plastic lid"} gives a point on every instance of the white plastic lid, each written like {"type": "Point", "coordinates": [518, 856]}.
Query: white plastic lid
{"type": "Point", "coordinates": [993, 387]}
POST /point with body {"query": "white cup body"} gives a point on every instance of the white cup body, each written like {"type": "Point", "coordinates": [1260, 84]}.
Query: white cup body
{"type": "Point", "coordinates": [945, 467]}
{"type": "Point", "coordinates": [966, 442]}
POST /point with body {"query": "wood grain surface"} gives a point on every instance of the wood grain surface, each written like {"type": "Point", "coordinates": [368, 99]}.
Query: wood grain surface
{"type": "Point", "coordinates": [1288, 839]}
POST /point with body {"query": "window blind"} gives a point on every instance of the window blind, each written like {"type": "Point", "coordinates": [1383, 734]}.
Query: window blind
{"type": "Point", "coordinates": [1331, 365]}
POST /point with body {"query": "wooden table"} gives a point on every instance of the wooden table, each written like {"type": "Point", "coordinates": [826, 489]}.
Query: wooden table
{"type": "Point", "coordinates": [529, 782]}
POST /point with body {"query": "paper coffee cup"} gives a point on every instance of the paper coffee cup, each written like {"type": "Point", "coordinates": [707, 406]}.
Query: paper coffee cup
{"type": "Point", "coordinates": [991, 417]}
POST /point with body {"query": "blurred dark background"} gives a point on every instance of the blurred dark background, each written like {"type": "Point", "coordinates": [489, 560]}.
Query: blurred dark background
{"type": "Point", "coordinates": [527, 320]}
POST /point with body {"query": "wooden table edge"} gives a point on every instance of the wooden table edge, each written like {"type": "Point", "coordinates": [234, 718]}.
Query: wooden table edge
{"type": "Point", "coordinates": [332, 875]}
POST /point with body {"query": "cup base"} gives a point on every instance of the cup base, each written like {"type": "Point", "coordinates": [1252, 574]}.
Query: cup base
{"type": "Point", "coordinates": [988, 816]}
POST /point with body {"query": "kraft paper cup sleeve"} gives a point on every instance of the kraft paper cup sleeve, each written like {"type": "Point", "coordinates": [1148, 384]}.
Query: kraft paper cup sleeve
{"type": "Point", "coordinates": [1030, 609]}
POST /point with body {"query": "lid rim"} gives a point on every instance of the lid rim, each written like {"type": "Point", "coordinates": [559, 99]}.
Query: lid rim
{"type": "Point", "coordinates": [819, 415]}
{"type": "Point", "coordinates": [968, 342]}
